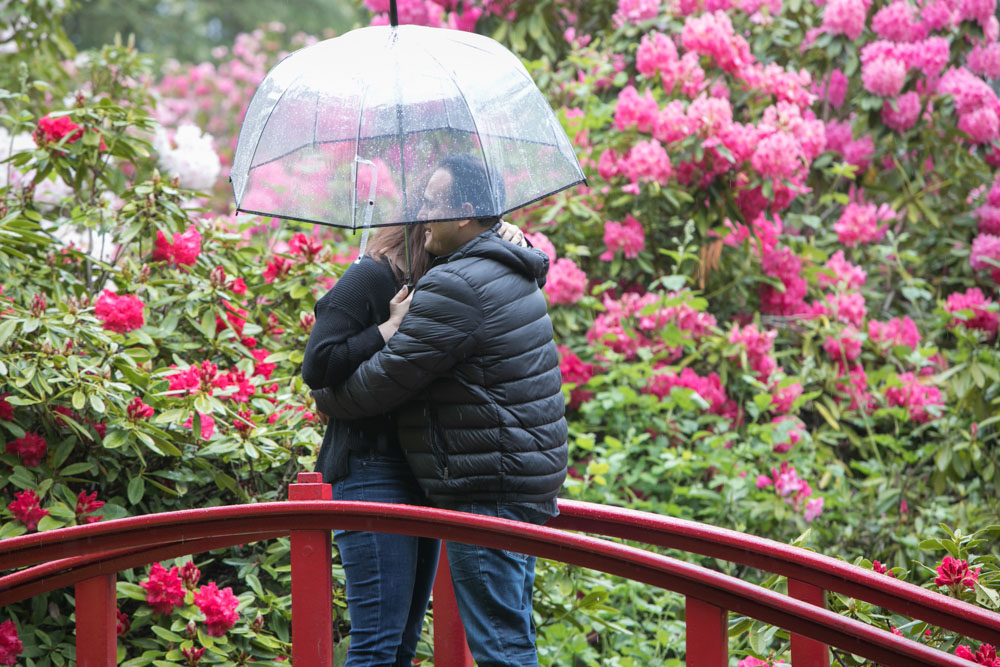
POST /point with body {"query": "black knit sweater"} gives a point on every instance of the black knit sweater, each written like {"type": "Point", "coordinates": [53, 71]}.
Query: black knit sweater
{"type": "Point", "coordinates": [345, 335]}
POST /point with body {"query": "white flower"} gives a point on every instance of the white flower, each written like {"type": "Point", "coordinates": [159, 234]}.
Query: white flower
{"type": "Point", "coordinates": [189, 157]}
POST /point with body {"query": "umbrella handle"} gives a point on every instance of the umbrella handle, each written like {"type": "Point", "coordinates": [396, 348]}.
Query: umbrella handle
{"type": "Point", "coordinates": [369, 206]}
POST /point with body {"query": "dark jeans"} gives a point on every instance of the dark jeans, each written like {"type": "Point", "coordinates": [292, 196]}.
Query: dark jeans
{"type": "Point", "coordinates": [493, 589]}
{"type": "Point", "coordinates": [389, 577]}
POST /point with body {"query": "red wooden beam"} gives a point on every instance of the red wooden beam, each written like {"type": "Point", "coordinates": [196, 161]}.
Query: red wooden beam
{"type": "Point", "coordinates": [96, 621]}
{"type": "Point", "coordinates": [707, 640]}
{"type": "Point", "coordinates": [808, 652]}
{"type": "Point", "coordinates": [312, 581]}
{"type": "Point", "coordinates": [450, 645]}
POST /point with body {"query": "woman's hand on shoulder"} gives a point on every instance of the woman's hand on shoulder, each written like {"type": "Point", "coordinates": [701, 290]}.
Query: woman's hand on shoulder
{"type": "Point", "coordinates": [512, 233]}
{"type": "Point", "coordinates": [399, 305]}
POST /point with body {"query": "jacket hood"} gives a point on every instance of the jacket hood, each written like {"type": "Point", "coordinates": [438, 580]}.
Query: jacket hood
{"type": "Point", "coordinates": [529, 262]}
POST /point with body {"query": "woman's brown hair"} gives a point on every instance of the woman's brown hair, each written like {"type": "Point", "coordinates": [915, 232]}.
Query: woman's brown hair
{"type": "Point", "coordinates": [387, 245]}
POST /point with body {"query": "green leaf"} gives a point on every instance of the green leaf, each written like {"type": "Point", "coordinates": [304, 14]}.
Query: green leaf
{"type": "Point", "coordinates": [130, 590]}
{"type": "Point", "coordinates": [6, 329]}
{"type": "Point", "coordinates": [136, 490]}
{"type": "Point", "coordinates": [79, 399]}
{"type": "Point", "coordinates": [115, 438]}
{"type": "Point", "coordinates": [77, 468]}
{"type": "Point", "coordinates": [163, 633]}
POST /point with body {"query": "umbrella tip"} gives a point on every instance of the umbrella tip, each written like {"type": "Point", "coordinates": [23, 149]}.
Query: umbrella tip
{"type": "Point", "coordinates": [393, 14]}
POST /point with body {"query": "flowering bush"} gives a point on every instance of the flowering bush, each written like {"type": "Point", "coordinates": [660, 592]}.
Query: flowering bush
{"type": "Point", "coordinates": [776, 303]}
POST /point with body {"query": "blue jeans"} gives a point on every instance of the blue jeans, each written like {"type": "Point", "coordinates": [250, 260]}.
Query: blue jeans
{"type": "Point", "coordinates": [389, 577]}
{"type": "Point", "coordinates": [493, 589]}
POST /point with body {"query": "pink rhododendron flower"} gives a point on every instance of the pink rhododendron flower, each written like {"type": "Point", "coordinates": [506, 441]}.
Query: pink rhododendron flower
{"type": "Point", "coordinates": [10, 643]}
{"type": "Point", "coordinates": [795, 433]}
{"type": "Point", "coordinates": [566, 283]}
{"type": "Point", "coordinates": [982, 125]}
{"type": "Point", "coordinates": [783, 397]}
{"type": "Point", "coordinates": [859, 222]}
{"type": "Point", "coordinates": [984, 312]}
{"type": "Point", "coordinates": [709, 388]}
{"type": "Point", "coordinates": [845, 274]}
{"type": "Point", "coordinates": [906, 113]}
{"type": "Point", "coordinates": [276, 268]}
{"type": "Point", "coordinates": [883, 76]}
{"type": "Point", "coordinates": [986, 248]}
{"type": "Point", "coordinates": [163, 589]}
{"type": "Point", "coordinates": [897, 331]}
{"type": "Point", "coordinates": [787, 267]}
{"type": "Point", "coordinates": [31, 448]}
{"type": "Point", "coordinates": [190, 575]}
{"type": "Point", "coordinates": [635, 111]}
{"type": "Point", "coordinates": [856, 388]}
{"type": "Point", "coordinates": [976, 10]}
{"type": "Point", "coordinates": [845, 17]}
{"type": "Point", "coordinates": [122, 623]}
{"type": "Point", "coordinates": [657, 53]}
{"type": "Point", "coordinates": [628, 236]}
{"type": "Point", "coordinates": [879, 568]}
{"type": "Point", "coordinates": [814, 507]}
{"type": "Point", "coordinates": [26, 508]}
{"type": "Point", "coordinates": [859, 152]}
{"type": "Point", "coordinates": [985, 60]}
{"type": "Point", "coordinates": [236, 319]}
{"type": "Point", "coordinates": [711, 34]}
{"type": "Point", "coordinates": [87, 503]}
{"type": "Point", "coordinates": [648, 161]}
{"type": "Point", "coordinates": [837, 88]}
{"type": "Point", "coordinates": [608, 166]}
{"type": "Point", "coordinates": [184, 250]}
{"type": "Point", "coordinates": [845, 348]}
{"type": "Point", "coordinates": [915, 397]}
{"type": "Point", "coordinates": [895, 22]}
{"type": "Point", "coordinates": [119, 313]}
{"type": "Point", "coordinates": [6, 409]}
{"type": "Point", "coordinates": [955, 574]}
{"type": "Point", "coordinates": [137, 410]}
{"type": "Point", "coordinates": [969, 91]}
{"type": "Point", "coordinates": [305, 246]}
{"type": "Point", "coordinates": [986, 655]}
{"type": "Point", "coordinates": [636, 11]}
{"type": "Point", "coordinates": [758, 346]}
{"type": "Point", "coordinates": [207, 425]}
{"type": "Point", "coordinates": [777, 156]}
{"type": "Point", "coordinates": [219, 608]}
{"type": "Point", "coordinates": [989, 219]}
{"type": "Point", "coordinates": [847, 307]}
{"type": "Point", "coordinates": [575, 371]}
{"type": "Point", "coordinates": [260, 367]}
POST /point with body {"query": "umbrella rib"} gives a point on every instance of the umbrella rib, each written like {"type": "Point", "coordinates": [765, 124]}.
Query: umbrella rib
{"type": "Point", "coordinates": [357, 145]}
{"type": "Point", "coordinates": [268, 120]}
{"type": "Point", "coordinates": [475, 125]}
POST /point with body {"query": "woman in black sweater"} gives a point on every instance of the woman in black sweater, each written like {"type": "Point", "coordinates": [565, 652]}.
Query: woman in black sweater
{"type": "Point", "coordinates": [389, 577]}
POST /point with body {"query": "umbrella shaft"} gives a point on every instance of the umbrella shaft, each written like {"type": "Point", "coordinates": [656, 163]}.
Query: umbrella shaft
{"type": "Point", "coordinates": [393, 14]}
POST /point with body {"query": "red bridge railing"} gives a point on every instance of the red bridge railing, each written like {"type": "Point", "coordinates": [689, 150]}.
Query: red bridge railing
{"type": "Point", "coordinates": [90, 556]}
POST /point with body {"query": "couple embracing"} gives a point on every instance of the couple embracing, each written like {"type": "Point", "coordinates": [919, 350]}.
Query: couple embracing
{"type": "Point", "coordinates": [448, 394]}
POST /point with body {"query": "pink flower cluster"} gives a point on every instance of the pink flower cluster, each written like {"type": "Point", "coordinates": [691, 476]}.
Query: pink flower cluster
{"type": "Point", "coordinates": [859, 222]}
{"type": "Point", "coordinates": [977, 105]}
{"type": "Point", "coordinates": [844, 348]}
{"type": "Point", "coordinates": [624, 328]}
{"type": "Point", "coordinates": [575, 371]}
{"type": "Point", "coordinates": [219, 608]}
{"type": "Point", "coordinates": [26, 508]}
{"type": "Point", "coordinates": [974, 310]}
{"type": "Point", "coordinates": [184, 250]}
{"type": "Point", "coordinates": [628, 236]}
{"type": "Point", "coordinates": [916, 398]}
{"type": "Point", "coordinates": [31, 448]}
{"type": "Point", "coordinates": [845, 274]}
{"type": "Point", "coordinates": [636, 11]}
{"type": "Point", "coordinates": [897, 331]}
{"type": "Point", "coordinates": [845, 17]}
{"type": "Point", "coordinates": [87, 503]}
{"type": "Point", "coordinates": [712, 35]}
{"type": "Point", "coordinates": [10, 643]}
{"type": "Point", "coordinates": [709, 388]}
{"type": "Point", "coordinates": [566, 282]}
{"type": "Point", "coordinates": [985, 655]}
{"type": "Point", "coordinates": [121, 313]}
{"type": "Point", "coordinates": [164, 589]}
{"type": "Point", "coordinates": [956, 574]}
{"type": "Point", "coordinates": [795, 490]}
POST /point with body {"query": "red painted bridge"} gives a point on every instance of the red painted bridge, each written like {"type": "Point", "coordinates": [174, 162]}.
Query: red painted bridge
{"type": "Point", "coordinates": [89, 558]}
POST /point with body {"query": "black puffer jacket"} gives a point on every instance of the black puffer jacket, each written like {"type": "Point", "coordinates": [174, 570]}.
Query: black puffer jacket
{"type": "Point", "coordinates": [476, 353]}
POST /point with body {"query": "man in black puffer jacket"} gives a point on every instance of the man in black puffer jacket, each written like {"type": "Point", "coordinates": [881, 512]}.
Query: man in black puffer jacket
{"type": "Point", "coordinates": [483, 428]}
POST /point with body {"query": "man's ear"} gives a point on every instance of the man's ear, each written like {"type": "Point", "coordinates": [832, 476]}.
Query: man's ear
{"type": "Point", "coordinates": [467, 209]}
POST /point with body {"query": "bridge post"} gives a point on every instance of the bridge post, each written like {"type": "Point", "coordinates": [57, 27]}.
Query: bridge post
{"type": "Point", "coordinates": [312, 581]}
{"type": "Point", "coordinates": [707, 629]}
{"type": "Point", "coordinates": [96, 622]}
{"type": "Point", "coordinates": [450, 645]}
{"type": "Point", "coordinates": [808, 652]}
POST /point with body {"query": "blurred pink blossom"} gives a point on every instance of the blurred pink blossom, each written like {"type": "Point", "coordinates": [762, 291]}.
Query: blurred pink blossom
{"type": "Point", "coordinates": [628, 236]}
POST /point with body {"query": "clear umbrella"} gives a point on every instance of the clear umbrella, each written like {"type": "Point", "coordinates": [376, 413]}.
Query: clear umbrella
{"type": "Point", "coordinates": [347, 132]}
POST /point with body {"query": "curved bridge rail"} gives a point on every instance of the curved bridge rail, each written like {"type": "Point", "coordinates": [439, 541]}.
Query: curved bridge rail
{"type": "Point", "coordinates": [90, 556]}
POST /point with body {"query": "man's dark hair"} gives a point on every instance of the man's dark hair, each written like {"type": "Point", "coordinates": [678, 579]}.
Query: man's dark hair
{"type": "Point", "coordinates": [470, 183]}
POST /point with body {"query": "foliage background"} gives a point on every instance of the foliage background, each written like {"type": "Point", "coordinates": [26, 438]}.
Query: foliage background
{"type": "Point", "coordinates": [697, 339]}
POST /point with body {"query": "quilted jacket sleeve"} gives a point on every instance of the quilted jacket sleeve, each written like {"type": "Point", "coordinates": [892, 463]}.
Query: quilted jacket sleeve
{"type": "Point", "coordinates": [438, 332]}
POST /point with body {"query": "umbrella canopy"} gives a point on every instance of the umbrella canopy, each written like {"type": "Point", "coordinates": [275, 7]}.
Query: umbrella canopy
{"type": "Point", "coordinates": [348, 131]}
